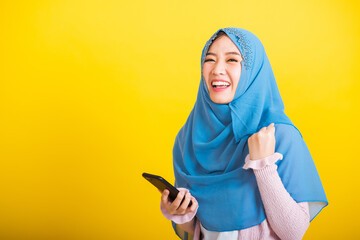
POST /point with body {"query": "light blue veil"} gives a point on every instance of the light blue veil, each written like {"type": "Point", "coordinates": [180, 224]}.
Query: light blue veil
{"type": "Point", "coordinates": [211, 147]}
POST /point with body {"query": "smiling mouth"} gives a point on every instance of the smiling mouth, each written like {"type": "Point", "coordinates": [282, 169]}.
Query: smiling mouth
{"type": "Point", "coordinates": [220, 84]}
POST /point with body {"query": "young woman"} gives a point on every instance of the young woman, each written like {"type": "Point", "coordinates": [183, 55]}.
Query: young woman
{"type": "Point", "coordinates": [239, 158]}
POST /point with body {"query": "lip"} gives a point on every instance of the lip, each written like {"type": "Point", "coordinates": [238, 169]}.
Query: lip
{"type": "Point", "coordinates": [219, 89]}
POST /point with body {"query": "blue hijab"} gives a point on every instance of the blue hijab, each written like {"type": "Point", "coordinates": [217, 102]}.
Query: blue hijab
{"type": "Point", "coordinates": [211, 147]}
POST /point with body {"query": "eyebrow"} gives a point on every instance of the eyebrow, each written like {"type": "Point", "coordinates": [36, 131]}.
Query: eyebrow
{"type": "Point", "coordinates": [236, 53]}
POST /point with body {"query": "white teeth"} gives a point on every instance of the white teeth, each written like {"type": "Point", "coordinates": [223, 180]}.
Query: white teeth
{"type": "Point", "coordinates": [220, 83]}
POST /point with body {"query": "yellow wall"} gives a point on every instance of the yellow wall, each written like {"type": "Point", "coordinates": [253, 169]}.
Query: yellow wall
{"type": "Point", "coordinates": [93, 93]}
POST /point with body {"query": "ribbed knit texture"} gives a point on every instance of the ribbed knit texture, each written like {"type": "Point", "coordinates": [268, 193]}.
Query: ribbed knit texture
{"type": "Point", "coordinates": [288, 219]}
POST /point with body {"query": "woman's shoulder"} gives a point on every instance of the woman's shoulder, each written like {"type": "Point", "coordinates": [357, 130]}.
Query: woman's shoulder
{"type": "Point", "coordinates": [287, 137]}
{"type": "Point", "coordinates": [286, 131]}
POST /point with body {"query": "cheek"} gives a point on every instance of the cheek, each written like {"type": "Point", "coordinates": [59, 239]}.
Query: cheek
{"type": "Point", "coordinates": [206, 71]}
{"type": "Point", "coordinates": [236, 73]}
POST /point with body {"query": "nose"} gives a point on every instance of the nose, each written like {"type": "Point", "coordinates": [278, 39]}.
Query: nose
{"type": "Point", "coordinates": [219, 68]}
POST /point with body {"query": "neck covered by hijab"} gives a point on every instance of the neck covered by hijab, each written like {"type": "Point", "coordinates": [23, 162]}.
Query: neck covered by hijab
{"type": "Point", "coordinates": [211, 147]}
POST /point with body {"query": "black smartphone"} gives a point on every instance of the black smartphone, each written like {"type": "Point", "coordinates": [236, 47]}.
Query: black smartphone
{"type": "Point", "coordinates": [161, 184]}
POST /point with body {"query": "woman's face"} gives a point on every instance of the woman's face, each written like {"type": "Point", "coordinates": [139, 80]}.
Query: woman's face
{"type": "Point", "coordinates": [222, 70]}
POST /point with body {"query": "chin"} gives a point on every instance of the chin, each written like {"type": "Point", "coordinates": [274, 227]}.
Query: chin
{"type": "Point", "coordinates": [220, 101]}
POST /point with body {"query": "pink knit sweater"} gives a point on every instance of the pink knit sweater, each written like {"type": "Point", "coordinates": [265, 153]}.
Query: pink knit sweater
{"type": "Point", "coordinates": [285, 219]}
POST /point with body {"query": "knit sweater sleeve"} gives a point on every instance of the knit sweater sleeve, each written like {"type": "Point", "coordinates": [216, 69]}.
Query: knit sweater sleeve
{"type": "Point", "coordinates": [287, 218]}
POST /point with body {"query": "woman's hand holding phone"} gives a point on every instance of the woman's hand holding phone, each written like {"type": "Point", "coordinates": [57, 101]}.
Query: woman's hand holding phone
{"type": "Point", "coordinates": [176, 207]}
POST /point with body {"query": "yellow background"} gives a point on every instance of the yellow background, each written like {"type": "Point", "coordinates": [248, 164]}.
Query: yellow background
{"type": "Point", "coordinates": [93, 93]}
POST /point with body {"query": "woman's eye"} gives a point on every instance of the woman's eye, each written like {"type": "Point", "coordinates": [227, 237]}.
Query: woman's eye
{"type": "Point", "coordinates": [207, 60]}
{"type": "Point", "coordinates": [233, 60]}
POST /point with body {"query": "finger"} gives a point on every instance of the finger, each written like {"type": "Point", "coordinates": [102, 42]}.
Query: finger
{"type": "Point", "coordinates": [194, 205]}
{"type": "Point", "coordinates": [185, 204]}
{"type": "Point", "coordinates": [176, 203]}
{"type": "Point", "coordinates": [271, 127]}
{"type": "Point", "coordinates": [164, 196]}
{"type": "Point", "coordinates": [272, 130]}
{"type": "Point", "coordinates": [268, 127]}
